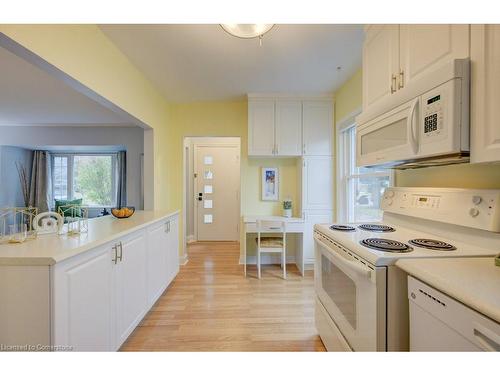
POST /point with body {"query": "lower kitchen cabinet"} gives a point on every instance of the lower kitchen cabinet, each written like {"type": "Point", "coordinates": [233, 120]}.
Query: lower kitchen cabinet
{"type": "Point", "coordinates": [98, 297]}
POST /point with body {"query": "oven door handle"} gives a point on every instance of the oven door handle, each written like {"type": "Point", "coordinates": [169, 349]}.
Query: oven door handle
{"type": "Point", "coordinates": [353, 265]}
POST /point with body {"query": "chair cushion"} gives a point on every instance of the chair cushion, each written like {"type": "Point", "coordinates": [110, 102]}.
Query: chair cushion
{"type": "Point", "coordinates": [270, 242]}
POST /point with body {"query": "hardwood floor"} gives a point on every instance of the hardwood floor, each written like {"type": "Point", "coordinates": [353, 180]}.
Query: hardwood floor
{"type": "Point", "coordinates": [211, 306]}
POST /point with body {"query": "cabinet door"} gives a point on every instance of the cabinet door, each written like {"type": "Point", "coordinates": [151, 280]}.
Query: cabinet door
{"type": "Point", "coordinates": [261, 127]}
{"type": "Point", "coordinates": [131, 288]}
{"type": "Point", "coordinates": [313, 217]}
{"type": "Point", "coordinates": [289, 127]}
{"type": "Point", "coordinates": [317, 127]}
{"type": "Point", "coordinates": [82, 301]}
{"type": "Point", "coordinates": [380, 62]}
{"type": "Point", "coordinates": [158, 253]}
{"type": "Point", "coordinates": [485, 91]}
{"type": "Point", "coordinates": [317, 183]}
{"type": "Point", "coordinates": [424, 48]}
{"type": "Point", "coordinates": [173, 249]}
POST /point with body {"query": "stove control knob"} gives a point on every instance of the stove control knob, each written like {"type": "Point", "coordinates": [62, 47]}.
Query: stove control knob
{"type": "Point", "coordinates": [473, 212]}
{"type": "Point", "coordinates": [476, 199]}
{"type": "Point", "coordinates": [390, 193]}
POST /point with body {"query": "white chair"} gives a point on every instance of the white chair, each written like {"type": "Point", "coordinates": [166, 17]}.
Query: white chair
{"type": "Point", "coordinates": [271, 244]}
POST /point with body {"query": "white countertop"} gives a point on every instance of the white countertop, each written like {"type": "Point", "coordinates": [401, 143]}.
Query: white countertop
{"type": "Point", "coordinates": [473, 281]}
{"type": "Point", "coordinates": [50, 249]}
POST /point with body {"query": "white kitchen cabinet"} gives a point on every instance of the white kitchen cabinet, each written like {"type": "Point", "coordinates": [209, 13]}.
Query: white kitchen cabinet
{"type": "Point", "coordinates": [317, 127]}
{"type": "Point", "coordinates": [173, 249]}
{"type": "Point", "coordinates": [380, 62]}
{"type": "Point", "coordinates": [485, 91]}
{"type": "Point", "coordinates": [395, 56]}
{"type": "Point", "coordinates": [131, 284]}
{"type": "Point", "coordinates": [288, 127]}
{"type": "Point", "coordinates": [317, 183]}
{"type": "Point", "coordinates": [424, 48]}
{"type": "Point", "coordinates": [83, 299]}
{"type": "Point", "coordinates": [261, 128]}
{"type": "Point", "coordinates": [158, 255]}
{"type": "Point", "coordinates": [312, 217]}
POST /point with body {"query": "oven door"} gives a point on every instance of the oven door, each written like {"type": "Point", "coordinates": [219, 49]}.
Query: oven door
{"type": "Point", "coordinates": [389, 139]}
{"type": "Point", "coordinates": [353, 293]}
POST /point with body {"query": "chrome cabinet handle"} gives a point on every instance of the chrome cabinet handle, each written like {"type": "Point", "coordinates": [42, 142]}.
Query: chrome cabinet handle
{"type": "Point", "coordinates": [401, 83]}
{"type": "Point", "coordinates": [115, 259]}
{"type": "Point", "coordinates": [167, 227]}
{"type": "Point", "coordinates": [120, 256]}
{"type": "Point", "coordinates": [304, 148]}
{"type": "Point", "coordinates": [393, 84]}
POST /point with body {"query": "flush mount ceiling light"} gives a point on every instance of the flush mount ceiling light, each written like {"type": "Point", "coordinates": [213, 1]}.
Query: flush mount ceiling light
{"type": "Point", "coordinates": [247, 31]}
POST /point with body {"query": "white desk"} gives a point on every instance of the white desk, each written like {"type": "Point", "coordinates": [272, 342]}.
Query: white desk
{"type": "Point", "coordinates": [293, 225]}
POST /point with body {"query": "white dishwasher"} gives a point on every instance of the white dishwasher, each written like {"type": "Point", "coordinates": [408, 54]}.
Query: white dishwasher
{"type": "Point", "coordinates": [441, 323]}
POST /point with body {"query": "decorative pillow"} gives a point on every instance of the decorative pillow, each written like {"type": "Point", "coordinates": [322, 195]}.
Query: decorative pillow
{"type": "Point", "coordinates": [67, 207]}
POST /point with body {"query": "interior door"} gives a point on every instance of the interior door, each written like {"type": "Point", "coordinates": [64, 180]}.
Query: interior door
{"type": "Point", "coordinates": [289, 127]}
{"type": "Point", "coordinates": [217, 182]}
{"type": "Point", "coordinates": [424, 48]}
{"type": "Point", "coordinates": [380, 62]}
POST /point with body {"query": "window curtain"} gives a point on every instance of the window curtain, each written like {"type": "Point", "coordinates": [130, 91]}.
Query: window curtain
{"type": "Point", "coordinates": [40, 181]}
{"type": "Point", "coordinates": [121, 179]}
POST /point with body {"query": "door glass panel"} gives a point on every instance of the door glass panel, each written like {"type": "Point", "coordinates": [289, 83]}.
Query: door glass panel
{"type": "Point", "coordinates": [387, 137]}
{"type": "Point", "coordinates": [208, 219]}
{"type": "Point", "coordinates": [340, 288]}
{"type": "Point", "coordinates": [207, 189]}
{"type": "Point", "coordinates": [207, 203]}
{"type": "Point", "coordinates": [209, 175]}
{"type": "Point", "coordinates": [208, 160]}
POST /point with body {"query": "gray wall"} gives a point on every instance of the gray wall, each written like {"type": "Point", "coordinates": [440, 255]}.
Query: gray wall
{"type": "Point", "coordinates": [10, 187]}
{"type": "Point", "coordinates": [63, 137]}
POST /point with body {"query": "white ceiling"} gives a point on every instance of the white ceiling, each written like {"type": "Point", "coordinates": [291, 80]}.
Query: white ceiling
{"type": "Point", "coordinates": [29, 95]}
{"type": "Point", "coordinates": [203, 62]}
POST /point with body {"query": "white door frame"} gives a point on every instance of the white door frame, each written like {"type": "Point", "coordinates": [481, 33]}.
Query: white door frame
{"type": "Point", "coordinates": [203, 141]}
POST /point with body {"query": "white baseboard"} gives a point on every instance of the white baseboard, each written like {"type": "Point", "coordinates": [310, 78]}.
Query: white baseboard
{"type": "Point", "coordinates": [183, 260]}
{"type": "Point", "coordinates": [190, 238]}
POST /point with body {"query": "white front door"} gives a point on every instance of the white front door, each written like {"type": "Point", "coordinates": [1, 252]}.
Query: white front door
{"type": "Point", "coordinates": [217, 185]}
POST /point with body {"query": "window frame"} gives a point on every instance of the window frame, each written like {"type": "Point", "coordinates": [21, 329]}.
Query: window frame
{"type": "Point", "coordinates": [346, 164]}
{"type": "Point", "coordinates": [70, 176]}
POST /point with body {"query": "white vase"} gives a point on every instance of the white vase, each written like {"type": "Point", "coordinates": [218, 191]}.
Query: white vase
{"type": "Point", "coordinates": [287, 212]}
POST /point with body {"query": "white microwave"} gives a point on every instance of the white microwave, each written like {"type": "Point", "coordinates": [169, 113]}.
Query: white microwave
{"type": "Point", "coordinates": [427, 129]}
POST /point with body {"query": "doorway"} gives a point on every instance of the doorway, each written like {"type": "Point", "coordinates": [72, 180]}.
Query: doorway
{"type": "Point", "coordinates": [212, 188]}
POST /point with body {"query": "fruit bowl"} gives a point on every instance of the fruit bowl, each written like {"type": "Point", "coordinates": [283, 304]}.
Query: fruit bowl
{"type": "Point", "coordinates": [122, 212]}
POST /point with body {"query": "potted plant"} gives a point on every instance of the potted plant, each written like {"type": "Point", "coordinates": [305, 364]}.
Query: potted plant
{"type": "Point", "coordinates": [287, 208]}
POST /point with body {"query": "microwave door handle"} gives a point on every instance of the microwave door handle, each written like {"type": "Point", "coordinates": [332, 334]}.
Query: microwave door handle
{"type": "Point", "coordinates": [412, 125]}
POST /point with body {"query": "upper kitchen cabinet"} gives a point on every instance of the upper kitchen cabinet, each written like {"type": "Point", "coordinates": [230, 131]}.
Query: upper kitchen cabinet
{"type": "Point", "coordinates": [380, 62]}
{"type": "Point", "coordinates": [317, 127]}
{"type": "Point", "coordinates": [261, 127]}
{"type": "Point", "coordinates": [288, 127]}
{"type": "Point", "coordinates": [424, 48]}
{"type": "Point", "coordinates": [485, 91]}
{"type": "Point", "coordinates": [394, 56]}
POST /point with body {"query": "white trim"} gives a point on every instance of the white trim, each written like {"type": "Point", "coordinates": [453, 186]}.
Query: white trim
{"type": "Point", "coordinates": [297, 96]}
{"type": "Point", "coordinates": [183, 260]}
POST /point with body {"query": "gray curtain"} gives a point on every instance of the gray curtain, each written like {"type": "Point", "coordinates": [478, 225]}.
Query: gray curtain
{"type": "Point", "coordinates": [121, 179]}
{"type": "Point", "coordinates": [40, 180]}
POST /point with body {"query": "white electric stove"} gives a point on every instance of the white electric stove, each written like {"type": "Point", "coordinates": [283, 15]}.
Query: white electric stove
{"type": "Point", "coordinates": [361, 295]}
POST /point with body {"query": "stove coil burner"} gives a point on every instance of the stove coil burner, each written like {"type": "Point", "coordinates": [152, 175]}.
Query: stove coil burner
{"type": "Point", "coordinates": [376, 228]}
{"type": "Point", "coordinates": [432, 244]}
{"type": "Point", "coordinates": [384, 244]}
{"type": "Point", "coordinates": [344, 228]}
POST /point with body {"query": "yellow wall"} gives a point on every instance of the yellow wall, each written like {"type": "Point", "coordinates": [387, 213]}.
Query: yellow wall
{"type": "Point", "coordinates": [87, 55]}
{"type": "Point", "coordinates": [485, 176]}
{"type": "Point", "coordinates": [226, 118]}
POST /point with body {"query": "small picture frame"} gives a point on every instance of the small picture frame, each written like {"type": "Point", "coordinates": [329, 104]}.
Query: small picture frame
{"type": "Point", "coordinates": [270, 184]}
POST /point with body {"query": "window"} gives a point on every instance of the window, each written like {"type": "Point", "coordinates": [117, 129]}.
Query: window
{"type": "Point", "coordinates": [91, 177]}
{"type": "Point", "coordinates": [360, 189]}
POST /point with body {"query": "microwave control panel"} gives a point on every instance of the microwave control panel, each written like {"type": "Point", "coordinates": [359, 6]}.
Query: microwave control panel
{"type": "Point", "coordinates": [433, 115]}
